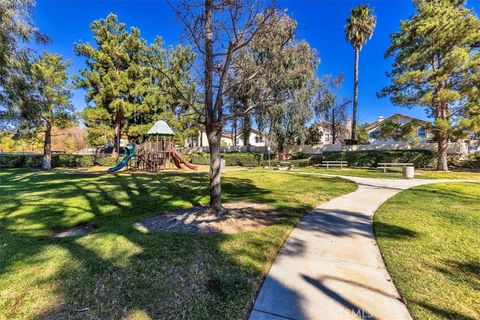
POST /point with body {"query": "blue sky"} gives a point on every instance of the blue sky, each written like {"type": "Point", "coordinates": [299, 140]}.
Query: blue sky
{"type": "Point", "coordinates": [320, 22]}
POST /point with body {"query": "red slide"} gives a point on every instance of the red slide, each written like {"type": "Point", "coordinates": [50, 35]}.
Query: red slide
{"type": "Point", "coordinates": [178, 160]}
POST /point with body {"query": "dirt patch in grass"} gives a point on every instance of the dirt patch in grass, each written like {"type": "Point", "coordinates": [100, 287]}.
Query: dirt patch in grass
{"type": "Point", "coordinates": [236, 217]}
{"type": "Point", "coordinates": [79, 230]}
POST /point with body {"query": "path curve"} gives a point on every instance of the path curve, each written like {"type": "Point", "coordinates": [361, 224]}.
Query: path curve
{"type": "Point", "coordinates": [330, 266]}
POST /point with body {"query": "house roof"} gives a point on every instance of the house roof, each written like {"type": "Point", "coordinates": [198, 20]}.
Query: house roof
{"type": "Point", "coordinates": [160, 128]}
{"type": "Point", "coordinates": [396, 115]}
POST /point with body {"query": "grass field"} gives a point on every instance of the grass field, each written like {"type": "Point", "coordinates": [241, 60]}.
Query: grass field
{"type": "Point", "coordinates": [118, 272]}
{"type": "Point", "coordinates": [429, 238]}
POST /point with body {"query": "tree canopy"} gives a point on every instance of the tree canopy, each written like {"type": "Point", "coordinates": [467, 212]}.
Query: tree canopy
{"type": "Point", "coordinates": [437, 66]}
{"type": "Point", "coordinates": [130, 84]}
{"type": "Point", "coordinates": [40, 99]}
{"type": "Point", "coordinates": [281, 94]}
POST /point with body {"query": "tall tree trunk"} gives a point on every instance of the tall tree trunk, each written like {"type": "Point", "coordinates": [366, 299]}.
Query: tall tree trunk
{"type": "Point", "coordinates": [355, 96]}
{"type": "Point", "coordinates": [47, 148]}
{"type": "Point", "coordinates": [215, 172]}
{"type": "Point", "coordinates": [213, 125]}
{"type": "Point", "coordinates": [116, 143]}
{"type": "Point", "coordinates": [234, 131]}
{"type": "Point", "coordinates": [442, 162]}
{"type": "Point", "coordinates": [281, 150]}
{"type": "Point", "coordinates": [334, 126]}
{"type": "Point", "coordinates": [247, 128]}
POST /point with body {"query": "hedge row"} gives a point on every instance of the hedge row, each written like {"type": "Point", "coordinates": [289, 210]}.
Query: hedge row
{"type": "Point", "coordinates": [231, 159]}
{"type": "Point", "coordinates": [370, 158]}
{"type": "Point", "coordinates": [473, 162]}
{"type": "Point", "coordinates": [58, 160]}
{"type": "Point", "coordinates": [246, 160]}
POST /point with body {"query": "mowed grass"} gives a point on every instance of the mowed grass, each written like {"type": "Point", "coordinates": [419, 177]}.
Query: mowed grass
{"type": "Point", "coordinates": [117, 271]}
{"type": "Point", "coordinates": [429, 238]}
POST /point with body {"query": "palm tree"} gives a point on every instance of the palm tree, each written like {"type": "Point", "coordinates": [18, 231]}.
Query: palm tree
{"type": "Point", "coordinates": [358, 30]}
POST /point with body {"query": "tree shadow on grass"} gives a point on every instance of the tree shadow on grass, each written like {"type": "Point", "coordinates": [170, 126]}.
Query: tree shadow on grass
{"type": "Point", "coordinates": [386, 230]}
{"type": "Point", "coordinates": [443, 313]}
{"type": "Point", "coordinates": [117, 271]}
{"type": "Point", "coordinates": [461, 271]}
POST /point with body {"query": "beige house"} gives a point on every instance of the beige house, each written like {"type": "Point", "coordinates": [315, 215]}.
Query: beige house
{"type": "Point", "coordinates": [256, 139]}
{"type": "Point", "coordinates": [423, 134]}
{"type": "Point", "coordinates": [325, 129]}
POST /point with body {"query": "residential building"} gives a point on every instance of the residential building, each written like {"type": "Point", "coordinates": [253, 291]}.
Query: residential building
{"type": "Point", "coordinates": [325, 130]}
{"type": "Point", "coordinates": [256, 139]}
{"type": "Point", "coordinates": [423, 134]}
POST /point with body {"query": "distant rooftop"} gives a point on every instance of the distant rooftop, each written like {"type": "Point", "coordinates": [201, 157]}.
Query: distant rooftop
{"type": "Point", "coordinates": [160, 128]}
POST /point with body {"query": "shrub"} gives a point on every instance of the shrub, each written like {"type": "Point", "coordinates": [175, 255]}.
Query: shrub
{"type": "Point", "coordinates": [473, 161]}
{"type": "Point", "coordinates": [73, 160]}
{"type": "Point", "coordinates": [58, 160]}
{"type": "Point", "coordinates": [350, 142]}
{"type": "Point", "coordinates": [370, 158]}
{"type": "Point", "coordinates": [20, 161]}
{"type": "Point", "coordinates": [106, 161]}
{"type": "Point", "coordinates": [200, 158]}
{"type": "Point", "coordinates": [299, 155]}
{"type": "Point", "coordinates": [231, 159]}
{"type": "Point", "coordinates": [243, 159]}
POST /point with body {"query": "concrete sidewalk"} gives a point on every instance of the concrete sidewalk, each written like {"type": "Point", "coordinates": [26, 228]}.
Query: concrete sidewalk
{"type": "Point", "coordinates": [330, 266]}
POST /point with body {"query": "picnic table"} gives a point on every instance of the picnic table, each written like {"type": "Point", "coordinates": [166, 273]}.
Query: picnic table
{"type": "Point", "coordinates": [388, 165]}
{"type": "Point", "coordinates": [329, 164]}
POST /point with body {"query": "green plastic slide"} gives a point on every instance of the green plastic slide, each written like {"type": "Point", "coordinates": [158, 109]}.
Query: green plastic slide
{"type": "Point", "coordinates": [130, 153]}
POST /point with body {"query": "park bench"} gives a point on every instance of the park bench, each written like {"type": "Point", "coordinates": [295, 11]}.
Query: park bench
{"type": "Point", "coordinates": [387, 165]}
{"type": "Point", "coordinates": [285, 165]}
{"type": "Point", "coordinates": [329, 164]}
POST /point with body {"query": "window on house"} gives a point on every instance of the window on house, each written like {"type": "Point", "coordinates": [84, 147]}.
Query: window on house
{"type": "Point", "coordinates": [258, 139]}
{"type": "Point", "coordinates": [327, 137]}
{"type": "Point", "coordinates": [374, 134]}
{"type": "Point", "coordinates": [421, 133]}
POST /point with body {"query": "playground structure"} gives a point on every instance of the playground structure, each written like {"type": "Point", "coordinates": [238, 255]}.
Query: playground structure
{"type": "Point", "coordinates": [154, 155]}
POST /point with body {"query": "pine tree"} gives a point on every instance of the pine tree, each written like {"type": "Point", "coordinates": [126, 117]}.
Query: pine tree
{"type": "Point", "coordinates": [40, 100]}
{"type": "Point", "coordinates": [131, 84]}
{"type": "Point", "coordinates": [437, 67]}
{"type": "Point", "coordinates": [114, 81]}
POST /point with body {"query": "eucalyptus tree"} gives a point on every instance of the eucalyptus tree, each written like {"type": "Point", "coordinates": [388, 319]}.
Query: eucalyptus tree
{"type": "Point", "coordinates": [283, 89]}
{"type": "Point", "coordinates": [16, 30]}
{"type": "Point", "coordinates": [16, 27]}
{"type": "Point", "coordinates": [358, 29]}
{"type": "Point", "coordinates": [292, 84]}
{"type": "Point", "coordinates": [40, 99]}
{"type": "Point", "coordinates": [219, 31]}
{"type": "Point", "coordinates": [436, 66]}
{"type": "Point", "coordinates": [331, 108]}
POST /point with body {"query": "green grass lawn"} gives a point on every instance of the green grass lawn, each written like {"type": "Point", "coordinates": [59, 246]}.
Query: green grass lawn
{"type": "Point", "coordinates": [117, 271]}
{"type": "Point", "coordinates": [393, 173]}
{"type": "Point", "coordinates": [429, 238]}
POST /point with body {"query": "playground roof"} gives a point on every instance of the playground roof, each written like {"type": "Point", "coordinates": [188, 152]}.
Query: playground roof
{"type": "Point", "coordinates": [161, 128]}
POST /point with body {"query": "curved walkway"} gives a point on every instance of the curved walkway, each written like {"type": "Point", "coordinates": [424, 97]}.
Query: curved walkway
{"type": "Point", "coordinates": [330, 266]}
